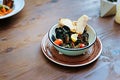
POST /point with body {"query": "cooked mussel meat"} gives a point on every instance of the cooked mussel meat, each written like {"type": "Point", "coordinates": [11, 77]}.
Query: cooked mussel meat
{"type": "Point", "coordinates": [64, 33]}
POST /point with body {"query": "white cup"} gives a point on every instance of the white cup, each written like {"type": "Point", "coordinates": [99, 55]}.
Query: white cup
{"type": "Point", "coordinates": [117, 16]}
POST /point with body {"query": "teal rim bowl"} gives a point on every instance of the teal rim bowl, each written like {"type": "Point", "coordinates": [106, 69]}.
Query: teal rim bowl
{"type": "Point", "coordinates": [73, 51]}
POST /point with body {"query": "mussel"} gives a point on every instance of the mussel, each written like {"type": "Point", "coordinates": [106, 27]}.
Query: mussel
{"type": "Point", "coordinates": [64, 33]}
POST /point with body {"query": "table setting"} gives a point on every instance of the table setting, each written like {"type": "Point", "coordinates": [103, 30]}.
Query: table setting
{"type": "Point", "coordinates": [59, 40]}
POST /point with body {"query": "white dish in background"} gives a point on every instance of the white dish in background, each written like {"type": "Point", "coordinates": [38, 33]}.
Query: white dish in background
{"type": "Point", "coordinates": [17, 7]}
{"type": "Point", "coordinates": [1, 1]}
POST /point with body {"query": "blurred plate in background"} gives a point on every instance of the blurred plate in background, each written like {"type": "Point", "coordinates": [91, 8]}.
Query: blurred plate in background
{"type": "Point", "coordinates": [17, 7]}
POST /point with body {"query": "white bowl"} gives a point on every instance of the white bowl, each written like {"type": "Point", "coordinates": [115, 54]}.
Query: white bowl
{"type": "Point", "coordinates": [73, 51]}
{"type": "Point", "coordinates": [17, 7]}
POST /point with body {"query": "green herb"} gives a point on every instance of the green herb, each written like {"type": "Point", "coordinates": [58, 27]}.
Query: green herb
{"type": "Point", "coordinates": [1, 5]}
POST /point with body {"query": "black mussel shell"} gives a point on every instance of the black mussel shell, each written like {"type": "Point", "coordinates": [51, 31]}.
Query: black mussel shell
{"type": "Point", "coordinates": [66, 29]}
{"type": "Point", "coordinates": [53, 38]}
{"type": "Point", "coordinates": [59, 30]}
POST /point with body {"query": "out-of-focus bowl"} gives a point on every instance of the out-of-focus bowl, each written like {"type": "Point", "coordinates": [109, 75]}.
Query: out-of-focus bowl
{"type": "Point", "coordinates": [73, 51]}
{"type": "Point", "coordinates": [17, 7]}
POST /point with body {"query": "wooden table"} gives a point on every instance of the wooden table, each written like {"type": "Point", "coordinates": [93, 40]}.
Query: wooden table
{"type": "Point", "coordinates": [21, 57]}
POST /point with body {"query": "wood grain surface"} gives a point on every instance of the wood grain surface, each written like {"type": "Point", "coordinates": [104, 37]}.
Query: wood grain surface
{"type": "Point", "coordinates": [21, 57]}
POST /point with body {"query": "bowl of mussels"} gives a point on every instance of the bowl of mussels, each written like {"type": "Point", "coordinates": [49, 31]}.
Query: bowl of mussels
{"type": "Point", "coordinates": [72, 38]}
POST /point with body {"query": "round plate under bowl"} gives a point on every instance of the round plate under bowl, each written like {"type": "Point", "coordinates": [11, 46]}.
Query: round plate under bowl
{"type": "Point", "coordinates": [71, 61]}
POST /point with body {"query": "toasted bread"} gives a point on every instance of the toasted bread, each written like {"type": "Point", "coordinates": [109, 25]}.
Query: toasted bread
{"type": "Point", "coordinates": [81, 24]}
{"type": "Point", "coordinates": [68, 23]}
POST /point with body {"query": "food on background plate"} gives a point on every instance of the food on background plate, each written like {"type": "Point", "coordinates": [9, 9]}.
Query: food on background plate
{"type": "Point", "coordinates": [72, 34]}
{"type": "Point", "coordinates": [8, 3]}
{"type": "Point", "coordinates": [6, 7]}
{"type": "Point", "coordinates": [4, 10]}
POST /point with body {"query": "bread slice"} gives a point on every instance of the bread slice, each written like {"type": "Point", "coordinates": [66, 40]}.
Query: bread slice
{"type": "Point", "coordinates": [81, 24]}
{"type": "Point", "coordinates": [68, 23]}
